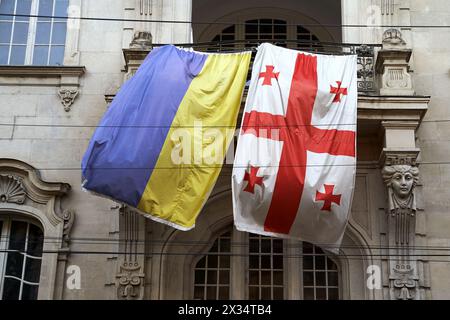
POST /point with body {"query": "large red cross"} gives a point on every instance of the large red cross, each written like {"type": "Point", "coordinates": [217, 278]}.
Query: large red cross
{"type": "Point", "coordinates": [298, 136]}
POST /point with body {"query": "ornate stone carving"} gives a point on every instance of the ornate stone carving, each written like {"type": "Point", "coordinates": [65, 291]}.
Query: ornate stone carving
{"type": "Point", "coordinates": [68, 217]}
{"type": "Point", "coordinates": [12, 189]}
{"type": "Point", "coordinates": [130, 278]}
{"type": "Point", "coordinates": [130, 281]}
{"type": "Point", "coordinates": [393, 37]}
{"type": "Point", "coordinates": [396, 79]}
{"type": "Point", "coordinates": [67, 97]}
{"type": "Point", "coordinates": [401, 180]}
{"type": "Point", "coordinates": [141, 40]}
{"type": "Point", "coordinates": [404, 283]}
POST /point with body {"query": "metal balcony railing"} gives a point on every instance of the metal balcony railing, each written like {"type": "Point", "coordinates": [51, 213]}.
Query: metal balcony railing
{"type": "Point", "coordinates": [365, 52]}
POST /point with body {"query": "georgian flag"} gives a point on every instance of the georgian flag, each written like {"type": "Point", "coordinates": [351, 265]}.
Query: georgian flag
{"type": "Point", "coordinates": [295, 163]}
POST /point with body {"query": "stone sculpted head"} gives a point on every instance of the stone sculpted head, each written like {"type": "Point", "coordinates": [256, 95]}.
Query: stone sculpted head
{"type": "Point", "coordinates": [401, 178]}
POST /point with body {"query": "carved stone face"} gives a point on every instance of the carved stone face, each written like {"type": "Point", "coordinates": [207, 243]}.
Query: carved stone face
{"type": "Point", "coordinates": [402, 183]}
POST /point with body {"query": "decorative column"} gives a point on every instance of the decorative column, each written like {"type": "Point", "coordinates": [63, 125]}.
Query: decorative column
{"type": "Point", "coordinates": [403, 267]}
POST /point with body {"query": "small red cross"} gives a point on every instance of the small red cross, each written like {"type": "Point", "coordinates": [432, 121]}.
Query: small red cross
{"type": "Point", "coordinates": [338, 91]}
{"type": "Point", "coordinates": [268, 75]}
{"type": "Point", "coordinates": [328, 197]}
{"type": "Point", "coordinates": [252, 179]}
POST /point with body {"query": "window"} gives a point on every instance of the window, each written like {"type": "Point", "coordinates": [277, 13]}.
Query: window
{"type": "Point", "coordinates": [20, 259]}
{"type": "Point", "coordinates": [212, 272]}
{"type": "Point", "coordinates": [271, 30]}
{"type": "Point", "coordinates": [320, 275]}
{"type": "Point", "coordinates": [263, 269]}
{"type": "Point", "coordinates": [28, 40]}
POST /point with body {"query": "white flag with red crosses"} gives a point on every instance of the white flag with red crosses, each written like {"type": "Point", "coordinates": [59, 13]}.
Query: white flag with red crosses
{"type": "Point", "coordinates": [295, 163]}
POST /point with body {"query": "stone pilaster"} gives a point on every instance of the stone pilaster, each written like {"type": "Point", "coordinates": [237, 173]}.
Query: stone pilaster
{"type": "Point", "coordinates": [130, 277]}
{"type": "Point", "coordinates": [406, 271]}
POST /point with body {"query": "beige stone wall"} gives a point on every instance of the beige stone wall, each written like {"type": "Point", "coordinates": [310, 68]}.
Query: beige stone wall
{"type": "Point", "coordinates": [431, 76]}
{"type": "Point", "coordinates": [57, 150]}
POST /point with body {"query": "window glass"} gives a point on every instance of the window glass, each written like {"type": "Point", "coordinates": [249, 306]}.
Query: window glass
{"type": "Point", "coordinates": [212, 272]}
{"type": "Point", "coordinates": [320, 275]}
{"type": "Point", "coordinates": [20, 277]}
{"type": "Point", "coordinates": [26, 40]}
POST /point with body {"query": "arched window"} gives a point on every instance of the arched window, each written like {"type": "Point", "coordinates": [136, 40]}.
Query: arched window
{"type": "Point", "coordinates": [21, 243]}
{"type": "Point", "coordinates": [272, 269]}
{"type": "Point", "coordinates": [272, 30]}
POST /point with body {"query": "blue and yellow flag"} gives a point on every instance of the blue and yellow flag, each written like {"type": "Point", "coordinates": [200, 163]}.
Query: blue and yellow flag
{"type": "Point", "coordinates": [160, 145]}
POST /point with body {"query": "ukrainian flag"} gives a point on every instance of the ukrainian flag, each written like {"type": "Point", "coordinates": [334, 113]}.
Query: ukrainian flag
{"type": "Point", "coordinates": [161, 143]}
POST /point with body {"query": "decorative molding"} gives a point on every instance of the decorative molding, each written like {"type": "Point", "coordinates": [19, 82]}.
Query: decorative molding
{"type": "Point", "coordinates": [145, 7]}
{"type": "Point", "coordinates": [41, 71]}
{"type": "Point", "coordinates": [406, 271]}
{"type": "Point", "coordinates": [405, 284]}
{"type": "Point", "coordinates": [401, 180]}
{"type": "Point", "coordinates": [12, 189]}
{"type": "Point", "coordinates": [393, 37]}
{"type": "Point", "coordinates": [398, 157]}
{"type": "Point", "coordinates": [68, 218]}
{"type": "Point", "coordinates": [20, 181]}
{"type": "Point", "coordinates": [130, 281]}
{"type": "Point", "coordinates": [131, 261]}
{"type": "Point", "coordinates": [392, 108]}
{"type": "Point", "coordinates": [67, 78]}
{"type": "Point", "coordinates": [38, 191]}
{"type": "Point", "coordinates": [141, 40]}
{"type": "Point", "coordinates": [67, 97]}
{"type": "Point", "coordinates": [387, 7]}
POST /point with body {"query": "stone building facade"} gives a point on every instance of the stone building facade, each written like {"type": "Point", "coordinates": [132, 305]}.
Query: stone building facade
{"type": "Point", "coordinates": [57, 77]}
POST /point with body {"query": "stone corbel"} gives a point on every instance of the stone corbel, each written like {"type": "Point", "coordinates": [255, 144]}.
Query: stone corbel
{"type": "Point", "coordinates": [69, 90]}
{"type": "Point", "coordinates": [400, 173]}
{"type": "Point", "coordinates": [392, 65]}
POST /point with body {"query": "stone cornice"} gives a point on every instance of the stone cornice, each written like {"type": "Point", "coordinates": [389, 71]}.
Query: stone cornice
{"type": "Point", "coordinates": [41, 71]}
{"type": "Point", "coordinates": [398, 108]}
{"type": "Point", "coordinates": [65, 78]}
{"type": "Point", "coordinates": [136, 55]}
